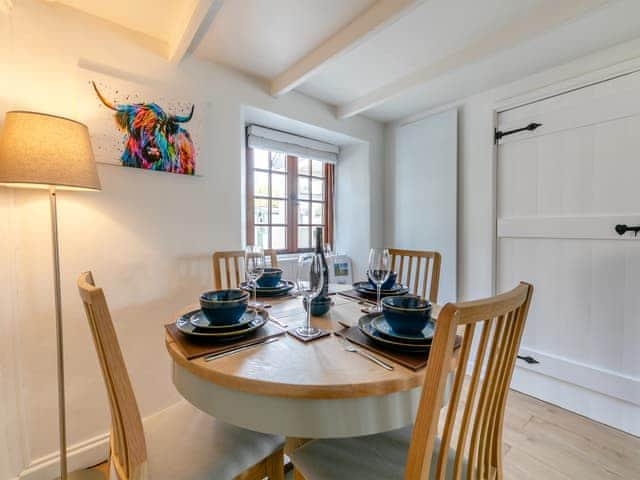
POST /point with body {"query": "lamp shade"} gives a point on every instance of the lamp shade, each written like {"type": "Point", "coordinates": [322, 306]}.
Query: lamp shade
{"type": "Point", "coordinates": [40, 150]}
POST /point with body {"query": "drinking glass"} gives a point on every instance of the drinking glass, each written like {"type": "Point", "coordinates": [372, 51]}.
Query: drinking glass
{"type": "Point", "coordinates": [379, 270]}
{"type": "Point", "coordinates": [309, 279]}
{"type": "Point", "coordinates": [254, 263]}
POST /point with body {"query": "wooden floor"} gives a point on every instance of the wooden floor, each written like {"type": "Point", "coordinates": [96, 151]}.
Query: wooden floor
{"type": "Point", "coordinates": [544, 442]}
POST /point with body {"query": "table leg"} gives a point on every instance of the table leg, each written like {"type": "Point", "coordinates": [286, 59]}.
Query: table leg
{"type": "Point", "coordinates": [292, 443]}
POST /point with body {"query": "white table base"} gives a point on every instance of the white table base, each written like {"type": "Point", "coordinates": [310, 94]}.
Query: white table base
{"type": "Point", "coordinates": [299, 417]}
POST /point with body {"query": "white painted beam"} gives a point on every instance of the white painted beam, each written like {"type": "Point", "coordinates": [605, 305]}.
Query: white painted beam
{"type": "Point", "coordinates": [381, 14]}
{"type": "Point", "coordinates": [545, 16]}
{"type": "Point", "coordinates": [186, 31]}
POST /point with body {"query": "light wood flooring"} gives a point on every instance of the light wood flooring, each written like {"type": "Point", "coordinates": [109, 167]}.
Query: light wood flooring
{"type": "Point", "coordinates": [545, 442]}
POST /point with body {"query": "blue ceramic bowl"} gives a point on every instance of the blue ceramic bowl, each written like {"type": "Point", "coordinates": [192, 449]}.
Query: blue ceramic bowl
{"type": "Point", "coordinates": [270, 277]}
{"type": "Point", "coordinates": [224, 307]}
{"type": "Point", "coordinates": [406, 314]}
{"type": "Point", "coordinates": [319, 306]}
{"type": "Point", "coordinates": [388, 284]}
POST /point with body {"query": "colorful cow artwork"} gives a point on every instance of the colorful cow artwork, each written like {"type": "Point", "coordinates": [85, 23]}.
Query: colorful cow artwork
{"type": "Point", "coordinates": [154, 140]}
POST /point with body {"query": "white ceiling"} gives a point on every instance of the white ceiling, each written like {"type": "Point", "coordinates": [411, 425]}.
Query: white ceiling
{"type": "Point", "coordinates": [386, 59]}
{"type": "Point", "coordinates": [151, 17]}
{"type": "Point", "coordinates": [264, 37]}
{"type": "Point", "coordinates": [432, 31]}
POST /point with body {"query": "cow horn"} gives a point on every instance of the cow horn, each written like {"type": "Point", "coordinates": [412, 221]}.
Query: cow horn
{"type": "Point", "coordinates": [181, 119]}
{"type": "Point", "coordinates": [102, 99]}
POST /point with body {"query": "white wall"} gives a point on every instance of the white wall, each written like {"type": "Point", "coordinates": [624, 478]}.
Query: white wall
{"type": "Point", "coordinates": [147, 236]}
{"type": "Point", "coordinates": [476, 188]}
{"type": "Point", "coordinates": [421, 206]}
{"type": "Point", "coordinates": [357, 207]}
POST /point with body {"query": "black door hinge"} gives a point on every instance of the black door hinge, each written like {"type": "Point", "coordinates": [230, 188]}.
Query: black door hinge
{"type": "Point", "coordinates": [498, 134]}
{"type": "Point", "coordinates": [529, 359]}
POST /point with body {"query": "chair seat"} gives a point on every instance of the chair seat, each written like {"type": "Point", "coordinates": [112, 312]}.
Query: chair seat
{"type": "Point", "coordinates": [184, 443]}
{"type": "Point", "coordinates": [372, 457]}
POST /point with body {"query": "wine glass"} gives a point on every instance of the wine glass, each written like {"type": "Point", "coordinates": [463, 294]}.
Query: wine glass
{"type": "Point", "coordinates": [309, 280]}
{"type": "Point", "coordinates": [253, 269]}
{"type": "Point", "coordinates": [379, 271]}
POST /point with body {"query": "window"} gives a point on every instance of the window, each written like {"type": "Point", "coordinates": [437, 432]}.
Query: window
{"type": "Point", "coordinates": [287, 197]}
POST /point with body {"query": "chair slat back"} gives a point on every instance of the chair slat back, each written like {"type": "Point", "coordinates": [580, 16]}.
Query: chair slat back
{"type": "Point", "coordinates": [419, 270]}
{"type": "Point", "coordinates": [228, 267]}
{"type": "Point", "coordinates": [475, 435]}
{"type": "Point", "coordinates": [128, 447]}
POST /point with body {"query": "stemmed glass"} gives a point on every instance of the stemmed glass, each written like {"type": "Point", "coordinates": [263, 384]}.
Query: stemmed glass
{"type": "Point", "coordinates": [254, 263]}
{"type": "Point", "coordinates": [379, 271]}
{"type": "Point", "coordinates": [309, 280]}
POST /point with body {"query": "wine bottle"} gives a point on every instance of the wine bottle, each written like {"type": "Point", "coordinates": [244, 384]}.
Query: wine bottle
{"type": "Point", "coordinates": [322, 303]}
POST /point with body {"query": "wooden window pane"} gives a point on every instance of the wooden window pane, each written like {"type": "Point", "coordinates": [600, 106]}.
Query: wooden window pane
{"type": "Point", "coordinates": [304, 237]}
{"type": "Point", "coordinates": [278, 212]}
{"type": "Point", "coordinates": [304, 210]}
{"type": "Point", "coordinates": [278, 185]}
{"type": "Point", "coordinates": [261, 237]}
{"type": "Point", "coordinates": [279, 238]}
{"type": "Point", "coordinates": [261, 159]}
{"type": "Point", "coordinates": [304, 188]}
{"type": "Point", "coordinates": [261, 211]}
{"type": "Point", "coordinates": [317, 187]}
{"type": "Point", "coordinates": [278, 162]}
{"type": "Point", "coordinates": [317, 213]}
{"type": "Point", "coordinates": [261, 184]}
{"type": "Point", "coordinates": [316, 168]}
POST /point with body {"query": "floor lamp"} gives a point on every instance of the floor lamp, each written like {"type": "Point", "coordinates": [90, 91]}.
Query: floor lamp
{"type": "Point", "coordinates": [54, 153]}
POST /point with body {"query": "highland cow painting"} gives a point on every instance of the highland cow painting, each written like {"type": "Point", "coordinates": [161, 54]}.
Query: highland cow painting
{"type": "Point", "coordinates": [148, 135]}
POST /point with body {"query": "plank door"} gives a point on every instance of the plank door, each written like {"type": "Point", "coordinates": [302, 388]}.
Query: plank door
{"type": "Point", "coordinates": [561, 190]}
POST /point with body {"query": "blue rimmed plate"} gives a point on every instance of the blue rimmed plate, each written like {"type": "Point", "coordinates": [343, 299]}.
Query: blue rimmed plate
{"type": "Point", "coordinates": [365, 324]}
{"type": "Point", "coordinates": [199, 320]}
{"type": "Point", "coordinates": [256, 320]}
{"type": "Point", "coordinates": [283, 287]}
{"type": "Point", "coordinates": [366, 289]}
{"type": "Point", "coordinates": [424, 337]}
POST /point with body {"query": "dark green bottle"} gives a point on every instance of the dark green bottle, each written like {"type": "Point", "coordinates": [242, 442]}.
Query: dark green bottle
{"type": "Point", "coordinates": [322, 303]}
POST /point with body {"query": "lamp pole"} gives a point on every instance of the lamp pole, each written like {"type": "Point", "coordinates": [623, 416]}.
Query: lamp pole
{"type": "Point", "coordinates": [62, 423]}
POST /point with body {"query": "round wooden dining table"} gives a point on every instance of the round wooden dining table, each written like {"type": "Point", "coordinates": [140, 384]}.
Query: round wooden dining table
{"type": "Point", "coordinates": [301, 390]}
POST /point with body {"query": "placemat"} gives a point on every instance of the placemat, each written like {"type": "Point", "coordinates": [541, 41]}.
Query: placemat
{"type": "Point", "coordinates": [414, 361]}
{"type": "Point", "coordinates": [194, 347]}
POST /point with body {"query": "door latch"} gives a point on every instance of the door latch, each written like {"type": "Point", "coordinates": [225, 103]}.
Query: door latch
{"type": "Point", "coordinates": [622, 229]}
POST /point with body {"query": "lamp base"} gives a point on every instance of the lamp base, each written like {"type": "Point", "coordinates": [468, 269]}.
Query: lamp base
{"type": "Point", "coordinates": [85, 475]}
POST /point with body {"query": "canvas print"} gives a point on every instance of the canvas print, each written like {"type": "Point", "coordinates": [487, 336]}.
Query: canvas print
{"type": "Point", "coordinates": [149, 134]}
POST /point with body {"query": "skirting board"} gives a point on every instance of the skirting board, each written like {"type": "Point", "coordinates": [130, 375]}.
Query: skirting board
{"type": "Point", "coordinates": [599, 407]}
{"type": "Point", "coordinates": [83, 454]}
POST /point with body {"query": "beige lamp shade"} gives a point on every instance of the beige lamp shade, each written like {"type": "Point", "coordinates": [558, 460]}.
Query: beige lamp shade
{"type": "Point", "coordinates": [40, 150]}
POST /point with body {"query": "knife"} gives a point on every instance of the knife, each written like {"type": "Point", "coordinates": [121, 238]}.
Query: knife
{"type": "Point", "coordinates": [242, 348]}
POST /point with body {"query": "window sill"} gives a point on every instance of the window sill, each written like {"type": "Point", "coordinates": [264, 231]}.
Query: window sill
{"type": "Point", "coordinates": [284, 257]}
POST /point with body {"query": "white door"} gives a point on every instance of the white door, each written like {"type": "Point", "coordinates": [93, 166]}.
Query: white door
{"type": "Point", "coordinates": [422, 209]}
{"type": "Point", "coordinates": [562, 189]}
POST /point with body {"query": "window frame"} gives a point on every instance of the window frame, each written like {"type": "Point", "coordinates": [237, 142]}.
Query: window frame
{"type": "Point", "coordinates": [292, 202]}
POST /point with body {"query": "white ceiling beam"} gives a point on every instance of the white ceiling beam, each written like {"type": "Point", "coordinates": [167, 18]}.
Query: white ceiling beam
{"type": "Point", "coordinates": [381, 14]}
{"type": "Point", "coordinates": [188, 28]}
{"type": "Point", "coordinates": [545, 16]}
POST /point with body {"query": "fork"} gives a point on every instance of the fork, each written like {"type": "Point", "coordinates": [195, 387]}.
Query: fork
{"type": "Point", "coordinates": [348, 346]}
{"type": "Point", "coordinates": [280, 323]}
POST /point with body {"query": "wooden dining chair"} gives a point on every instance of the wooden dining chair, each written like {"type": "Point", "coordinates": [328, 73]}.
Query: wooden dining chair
{"type": "Point", "coordinates": [231, 264]}
{"type": "Point", "coordinates": [441, 444]}
{"type": "Point", "coordinates": [180, 442]}
{"type": "Point", "coordinates": [419, 270]}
